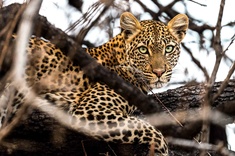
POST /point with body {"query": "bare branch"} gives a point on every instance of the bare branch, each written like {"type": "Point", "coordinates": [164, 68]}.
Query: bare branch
{"type": "Point", "coordinates": [83, 32]}
{"type": "Point", "coordinates": [198, 3]}
{"type": "Point", "coordinates": [208, 98]}
{"type": "Point", "coordinates": [197, 62]}
{"type": "Point", "coordinates": [146, 9]}
{"type": "Point", "coordinates": [202, 146]}
{"type": "Point", "coordinates": [217, 44]}
{"type": "Point", "coordinates": [231, 42]}
{"type": "Point", "coordinates": [9, 29]}
{"type": "Point", "coordinates": [231, 71]}
{"type": "Point", "coordinates": [225, 82]}
{"type": "Point", "coordinates": [24, 34]}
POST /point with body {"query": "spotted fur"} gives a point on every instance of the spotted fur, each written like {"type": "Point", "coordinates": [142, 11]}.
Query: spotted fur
{"type": "Point", "coordinates": [144, 53]}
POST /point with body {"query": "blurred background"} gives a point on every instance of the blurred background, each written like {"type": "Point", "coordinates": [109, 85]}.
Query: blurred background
{"type": "Point", "coordinates": [199, 39]}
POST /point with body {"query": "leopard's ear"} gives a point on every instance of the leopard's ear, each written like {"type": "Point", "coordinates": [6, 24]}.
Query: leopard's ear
{"type": "Point", "coordinates": [178, 26]}
{"type": "Point", "coordinates": [129, 24]}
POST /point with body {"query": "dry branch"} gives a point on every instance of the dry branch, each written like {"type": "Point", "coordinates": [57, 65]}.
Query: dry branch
{"type": "Point", "coordinates": [208, 98]}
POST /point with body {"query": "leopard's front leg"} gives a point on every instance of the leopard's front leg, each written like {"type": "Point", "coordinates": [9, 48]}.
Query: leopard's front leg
{"type": "Point", "coordinates": [104, 114]}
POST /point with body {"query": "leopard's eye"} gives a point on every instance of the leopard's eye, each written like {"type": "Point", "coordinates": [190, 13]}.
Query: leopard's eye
{"type": "Point", "coordinates": [169, 49]}
{"type": "Point", "coordinates": [143, 49]}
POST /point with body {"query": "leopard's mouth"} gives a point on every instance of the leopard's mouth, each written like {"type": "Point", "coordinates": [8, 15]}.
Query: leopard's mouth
{"type": "Point", "coordinates": [158, 84]}
{"type": "Point", "coordinates": [151, 81]}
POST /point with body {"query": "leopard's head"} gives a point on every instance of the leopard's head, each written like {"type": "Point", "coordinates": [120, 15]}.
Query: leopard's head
{"type": "Point", "coordinates": [152, 47]}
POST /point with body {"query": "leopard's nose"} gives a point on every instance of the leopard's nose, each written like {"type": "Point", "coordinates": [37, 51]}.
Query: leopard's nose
{"type": "Point", "coordinates": [159, 72]}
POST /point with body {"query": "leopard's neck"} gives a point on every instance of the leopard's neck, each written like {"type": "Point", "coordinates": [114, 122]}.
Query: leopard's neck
{"type": "Point", "coordinates": [113, 56]}
{"type": "Point", "coordinates": [110, 54]}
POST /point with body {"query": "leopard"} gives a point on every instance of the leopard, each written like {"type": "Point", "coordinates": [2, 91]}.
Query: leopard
{"type": "Point", "coordinates": [144, 53]}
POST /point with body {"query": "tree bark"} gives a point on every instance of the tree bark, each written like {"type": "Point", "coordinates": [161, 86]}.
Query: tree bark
{"type": "Point", "coordinates": [40, 133]}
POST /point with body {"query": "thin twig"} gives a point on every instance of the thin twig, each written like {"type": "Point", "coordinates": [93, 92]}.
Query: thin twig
{"type": "Point", "coordinates": [155, 96]}
{"type": "Point", "coordinates": [83, 32]}
{"type": "Point", "coordinates": [9, 29]}
{"type": "Point", "coordinates": [188, 116]}
{"type": "Point", "coordinates": [198, 3]}
{"type": "Point", "coordinates": [146, 9]}
{"type": "Point", "coordinates": [196, 61]}
{"type": "Point", "coordinates": [85, 17]}
{"type": "Point", "coordinates": [202, 146]}
{"type": "Point", "coordinates": [225, 82]}
{"type": "Point", "coordinates": [83, 148]}
{"type": "Point", "coordinates": [111, 149]}
{"type": "Point", "coordinates": [231, 42]}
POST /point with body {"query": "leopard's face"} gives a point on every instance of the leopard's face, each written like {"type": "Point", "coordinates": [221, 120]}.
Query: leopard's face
{"type": "Point", "coordinates": [153, 50]}
{"type": "Point", "coordinates": [153, 53]}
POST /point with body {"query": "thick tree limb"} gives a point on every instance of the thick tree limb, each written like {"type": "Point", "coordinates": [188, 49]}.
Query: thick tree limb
{"type": "Point", "coordinates": [41, 133]}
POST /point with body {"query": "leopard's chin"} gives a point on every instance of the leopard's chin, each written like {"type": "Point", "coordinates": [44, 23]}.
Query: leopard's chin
{"type": "Point", "coordinates": [158, 84]}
